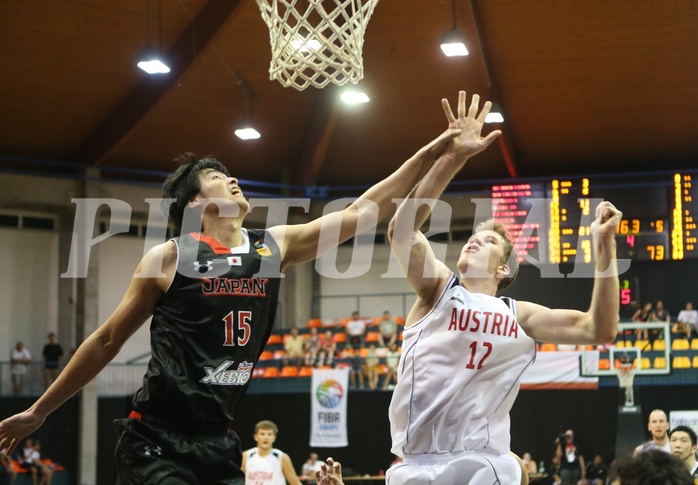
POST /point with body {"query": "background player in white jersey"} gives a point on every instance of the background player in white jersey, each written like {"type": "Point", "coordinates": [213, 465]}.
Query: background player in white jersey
{"type": "Point", "coordinates": [264, 464]}
{"type": "Point", "coordinates": [464, 350]}
{"type": "Point", "coordinates": [658, 426]}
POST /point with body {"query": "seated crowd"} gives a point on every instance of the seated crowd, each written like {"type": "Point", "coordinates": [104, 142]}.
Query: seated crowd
{"type": "Point", "coordinates": [370, 347]}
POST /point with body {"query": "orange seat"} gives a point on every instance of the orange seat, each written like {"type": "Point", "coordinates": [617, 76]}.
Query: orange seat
{"type": "Point", "coordinates": [274, 339]}
{"type": "Point", "coordinates": [399, 320]}
{"type": "Point", "coordinates": [376, 321]}
{"type": "Point", "coordinates": [340, 337]}
{"type": "Point", "coordinates": [289, 371]}
{"type": "Point", "coordinates": [306, 371]}
{"type": "Point", "coordinates": [270, 372]}
{"type": "Point", "coordinates": [266, 355]}
{"type": "Point", "coordinates": [279, 354]}
{"type": "Point", "coordinates": [371, 336]}
{"type": "Point", "coordinates": [548, 347]}
{"type": "Point", "coordinates": [258, 372]}
{"type": "Point", "coordinates": [363, 351]}
{"type": "Point", "coordinates": [314, 323]}
{"type": "Point", "coordinates": [604, 364]}
{"type": "Point", "coordinates": [343, 322]}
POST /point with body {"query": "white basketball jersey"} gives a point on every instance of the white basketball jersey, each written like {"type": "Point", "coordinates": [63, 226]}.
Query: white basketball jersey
{"type": "Point", "coordinates": [264, 470]}
{"type": "Point", "coordinates": [459, 375]}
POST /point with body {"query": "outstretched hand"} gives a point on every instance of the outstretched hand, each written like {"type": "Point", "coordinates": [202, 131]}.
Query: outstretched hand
{"type": "Point", "coordinates": [329, 474]}
{"type": "Point", "coordinates": [470, 141]}
{"type": "Point", "coordinates": [17, 427]}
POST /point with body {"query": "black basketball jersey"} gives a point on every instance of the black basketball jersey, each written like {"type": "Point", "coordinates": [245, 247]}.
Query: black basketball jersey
{"type": "Point", "coordinates": [210, 327]}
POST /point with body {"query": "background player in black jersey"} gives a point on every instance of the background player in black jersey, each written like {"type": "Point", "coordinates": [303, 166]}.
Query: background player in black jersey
{"type": "Point", "coordinates": [213, 304]}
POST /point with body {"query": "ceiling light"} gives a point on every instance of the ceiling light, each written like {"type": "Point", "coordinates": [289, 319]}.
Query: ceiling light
{"type": "Point", "coordinates": [494, 117]}
{"type": "Point", "coordinates": [453, 42]}
{"type": "Point", "coordinates": [303, 45]}
{"type": "Point", "coordinates": [354, 97]}
{"type": "Point", "coordinates": [152, 62]}
{"type": "Point", "coordinates": [247, 132]}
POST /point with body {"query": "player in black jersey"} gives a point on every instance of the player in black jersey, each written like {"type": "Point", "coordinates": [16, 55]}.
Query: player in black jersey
{"type": "Point", "coordinates": [212, 292]}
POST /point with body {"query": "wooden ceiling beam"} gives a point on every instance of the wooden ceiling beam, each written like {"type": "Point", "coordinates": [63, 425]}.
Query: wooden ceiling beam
{"type": "Point", "coordinates": [506, 139]}
{"type": "Point", "coordinates": [317, 137]}
{"type": "Point", "coordinates": [196, 39]}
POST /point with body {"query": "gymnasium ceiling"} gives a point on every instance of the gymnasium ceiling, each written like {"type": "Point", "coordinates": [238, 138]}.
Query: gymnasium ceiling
{"type": "Point", "coordinates": [585, 87]}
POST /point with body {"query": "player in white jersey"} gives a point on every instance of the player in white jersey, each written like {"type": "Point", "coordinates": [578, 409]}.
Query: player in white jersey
{"type": "Point", "coordinates": [658, 426]}
{"type": "Point", "coordinates": [264, 464]}
{"type": "Point", "coordinates": [464, 349]}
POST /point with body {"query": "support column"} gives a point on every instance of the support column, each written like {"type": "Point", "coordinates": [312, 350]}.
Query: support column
{"type": "Point", "coordinates": [86, 322]}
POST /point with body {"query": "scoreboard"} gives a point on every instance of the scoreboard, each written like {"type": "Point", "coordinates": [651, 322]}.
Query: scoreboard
{"type": "Point", "coordinates": [550, 220]}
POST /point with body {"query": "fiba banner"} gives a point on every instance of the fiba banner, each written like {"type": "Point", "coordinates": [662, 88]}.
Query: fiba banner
{"type": "Point", "coordinates": [686, 418]}
{"type": "Point", "coordinates": [328, 397]}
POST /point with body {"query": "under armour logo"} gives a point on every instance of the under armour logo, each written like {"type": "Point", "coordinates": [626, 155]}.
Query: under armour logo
{"type": "Point", "coordinates": [202, 268]}
{"type": "Point", "coordinates": [149, 450]}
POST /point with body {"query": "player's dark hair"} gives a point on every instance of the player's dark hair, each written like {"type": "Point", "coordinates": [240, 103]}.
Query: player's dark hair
{"type": "Point", "coordinates": [183, 184]}
{"type": "Point", "coordinates": [509, 256]}
{"type": "Point", "coordinates": [688, 431]}
{"type": "Point", "coordinates": [652, 467]}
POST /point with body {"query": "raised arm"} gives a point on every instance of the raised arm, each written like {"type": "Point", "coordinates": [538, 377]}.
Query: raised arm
{"type": "Point", "coordinates": [599, 324]}
{"type": "Point", "coordinates": [301, 242]}
{"type": "Point", "coordinates": [424, 272]}
{"type": "Point", "coordinates": [98, 349]}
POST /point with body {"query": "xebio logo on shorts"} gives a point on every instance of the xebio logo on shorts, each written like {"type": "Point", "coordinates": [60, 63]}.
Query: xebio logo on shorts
{"type": "Point", "coordinates": [220, 376]}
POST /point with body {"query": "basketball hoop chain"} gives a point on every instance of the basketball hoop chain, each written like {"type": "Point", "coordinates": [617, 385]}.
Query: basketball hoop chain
{"type": "Point", "coordinates": [316, 42]}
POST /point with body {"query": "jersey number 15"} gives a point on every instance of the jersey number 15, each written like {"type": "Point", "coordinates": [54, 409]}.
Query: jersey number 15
{"type": "Point", "coordinates": [243, 330]}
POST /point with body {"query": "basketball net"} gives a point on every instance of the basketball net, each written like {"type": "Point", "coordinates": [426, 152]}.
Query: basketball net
{"type": "Point", "coordinates": [316, 42]}
{"type": "Point", "coordinates": [626, 375]}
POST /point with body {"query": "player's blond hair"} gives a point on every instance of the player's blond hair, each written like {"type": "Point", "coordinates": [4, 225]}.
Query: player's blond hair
{"type": "Point", "coordinates": [266, 424]}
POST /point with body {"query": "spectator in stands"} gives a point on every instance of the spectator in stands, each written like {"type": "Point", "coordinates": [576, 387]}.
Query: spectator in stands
{"type": "Point", "coordinates": [572, 468]}
{"type": "Point", "coordinates": [529, 464]}
{"type": "Point", "coordinates": [312, 347]}
{"type": "Point", "coordinates": [328, 349]}
{"type": "Point", "coordinates": [294, 347]}
{"type": "Point", "coordinates": [660, 314]}
{"type": "Point", "coordinates": [19, 358]}
{"type": "Point", "coordinates": [683, 442]}
{"type": "Point", "coordinates": [597, 471]}
{"type": "Point", "coordinates": [51, 357]}
{"type": "Point", "coordinates": [356, 331]}
{"type": "Point", "coordinates": [643, 314]}
{"type": "Point", "coordinates": [651, 468]}
{"type": "Point", "coordinates": [7, 468]}
{"type": "Point", "coordinates": [554, 471]}
{"type": "Point", "coordinates": [311, 465]}
{"type": "Point", "coordinates": [658, 426]}
{"type": "Point", "coordinates": [688, 318]}
{"type": "Point", "coordinates": [373, 368]}
{"type": "Point", "coordinates": [387, 330]}
{"type": "Point", "coordinates": [392, 359]}
{"type": "Point", "coordinates": [357, 371]}
{"type": "Point", "coordinates": [31, 461]}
